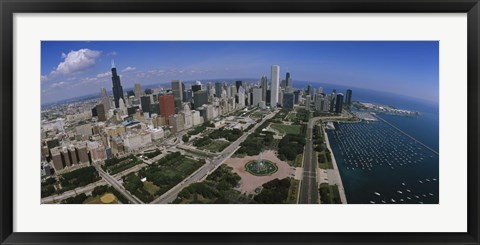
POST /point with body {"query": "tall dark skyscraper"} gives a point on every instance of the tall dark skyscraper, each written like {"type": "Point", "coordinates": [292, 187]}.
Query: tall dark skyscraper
{"type": "Point", "coordinates": [238, 84]}
{"type": "Point", "coordinates": [196, 87]}
{"type": "Point", "coordinates": [288, 80]}
{"type": "Point", "coordinates": [348, 98]}
{"type": "Point", "coordinates": [145, 102]}
{"type": "Point", "coordinates": [339, 103]}
{"type": "Point", "coordinates": [264, 88]}
{"type": "Point", "coordinates": [218, 89]}
{"type": "Point", "coordinates": [117, 88]}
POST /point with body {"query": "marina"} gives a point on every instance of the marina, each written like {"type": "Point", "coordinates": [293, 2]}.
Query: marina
{"type": "Point", "coordinates": [379, 163]}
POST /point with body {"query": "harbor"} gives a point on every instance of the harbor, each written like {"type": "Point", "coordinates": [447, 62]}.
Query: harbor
{"type": "Point", "coordinates": [379, 163]}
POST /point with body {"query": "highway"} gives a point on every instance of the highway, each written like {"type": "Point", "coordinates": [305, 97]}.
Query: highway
{"type": "Point", "coordinates": [115, 184]}
{"type": "Point", "coordinates": [308, 186]}
{"type": "Point", "coordinates": [208, 168]}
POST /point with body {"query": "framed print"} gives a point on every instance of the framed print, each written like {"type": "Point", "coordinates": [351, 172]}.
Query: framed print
{"type": "Point", "coordinates": [312, 122]}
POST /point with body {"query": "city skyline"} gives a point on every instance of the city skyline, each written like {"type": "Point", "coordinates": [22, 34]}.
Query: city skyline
{"type": "Point", "coordinates": [73, 69]}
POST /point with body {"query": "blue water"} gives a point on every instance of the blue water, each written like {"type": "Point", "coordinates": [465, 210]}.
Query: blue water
{"type": "Point", "coordinates": [375, 157]}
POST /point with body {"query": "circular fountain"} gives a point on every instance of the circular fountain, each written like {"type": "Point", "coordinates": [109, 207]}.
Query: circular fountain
{"type": "Point", "coordinates": [261, 167]}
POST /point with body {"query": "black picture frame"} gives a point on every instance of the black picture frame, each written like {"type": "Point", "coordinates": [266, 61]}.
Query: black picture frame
{"type": "Point", "coordinates": [9, 7]}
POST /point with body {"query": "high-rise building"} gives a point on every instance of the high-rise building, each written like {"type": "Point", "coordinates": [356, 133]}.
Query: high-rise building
{"type": "Point", "coordinates": [339, 103]}
{"type": "Point", "coordinates": [167, 105]}
{"type": "Point", "coordinates": [196, 87]}
{"type": "Point", "coordinates": [309, 88]}
{"type": "Point", "coordinates": [307, 102]}
{"type": "Point", "coordinates": [218, 89]}
{"type": "Point", "coordinates": [275, 85]}
{"type": "Point", "coordinates": [137, 90]}
{"type": "Point", "coordinates": [145, 102]}
{"type": "Point", "coordinates": [288, 80]}
{"type": "Point", "coordinates": [101, 114]}
{"type": "Point", "coordinates": [241, 97]}
{"type": "Point", "coordinates": [348, 98]}
{"type": "Point", "coordinates": [256, 96]}
{"type": "Point", "coordinates": [154, 108]}
{"type": "Point", "coordinates": [238, 84]}
{"type": "Point", "coordinates": [264, 85]}
{"type": "Point", "coordinates": [177, 89]}
{"type": "Point", "coordinates": [297, 96]}
{"type": "Point", "coordinates": [104, 99]}
{"type": "Point", "coordinates": [288, 100]}
{"type": "Point", "coordinates": [200, 98]}
{"type": "Point", "coordinates": [333, 97]}
{"type": "Point", "coordinates": [187, 95]}
{"type": "Point", "coordinates": [117, 88]}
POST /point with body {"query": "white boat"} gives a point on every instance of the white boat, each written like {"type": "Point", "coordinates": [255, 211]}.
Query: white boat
{"type": "Point", "coordinates": [399, 192]}
{"type": "Point", "coordinates": [372, 202]}
{"type": "Point", "coordinates": [393, 200]}
{"type": "Point", "coordinates": [376, 193]}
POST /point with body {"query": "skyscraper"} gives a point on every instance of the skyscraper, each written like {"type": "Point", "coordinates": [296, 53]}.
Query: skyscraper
{"type": "Point", "coordinates": [137, 90]}
{"type": "Point", "coordinates": [104, 99]}
{"type": "Point", "coordinates": [275, 85]}
{"type": "Point", "coordinates": [333, 96]}
{"type": "Point", "coordinates": [288, 100]}
{"type": "Point", "coordinates": [238, 84]}
{"type": "Point", "coordinates": [218, 89]}
{"type": "Point", "coordinates": [117, 87]}
{"type": "Point", "coordinates": [145, 102]}
{"type": "Point", "coordinates": [177, 90]}
{"type": "Point", "coordinates": [196, 87]}
{"type": "Point", "coordinates": [348, 98]}
{"type": "Point", "coordinates": [256, 96]}
{"type": "Point", "coordinates": [167, 105]}
{"type": "Point", "coordinates": [101, 112]}
{"type": "Point", "coordinates": [264, 85]}
{"type": "Point", "coordinates": [288, 80]}
{"type": "Point", "coordinates": [200, 98]}
{"type": "Point", "coordinates": [339, 103]}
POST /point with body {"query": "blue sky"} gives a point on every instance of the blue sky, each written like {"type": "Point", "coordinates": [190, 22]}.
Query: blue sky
{"type": "Point", "coordinates": [71, 69]}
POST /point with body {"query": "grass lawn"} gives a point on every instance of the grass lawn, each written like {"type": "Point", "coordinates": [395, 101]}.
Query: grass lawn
{"type": "Point", "coordinates": [286, 129]}
{"type": "Point", "coordinates": [293, 191]}
{"type": "Point", "coordinates": [329, 194]}
{"type": "Point", "coordinates": [185, 165]}
{"type": "Point", "coordinates": [215, 146]}
{"type": "Point", "coordinates": [150, 187]}
{"type": "Point", "coordinates": [323, 161]}
{"type": "Point", "coordinates": [298, 160]}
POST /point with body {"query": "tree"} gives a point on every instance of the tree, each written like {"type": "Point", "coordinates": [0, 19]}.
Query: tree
{"type": "Point", "coordinates": [185, 138]}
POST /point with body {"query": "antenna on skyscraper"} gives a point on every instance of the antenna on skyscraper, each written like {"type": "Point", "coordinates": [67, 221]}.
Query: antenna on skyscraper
{"type": "Point", "coordinates": [113, 63]}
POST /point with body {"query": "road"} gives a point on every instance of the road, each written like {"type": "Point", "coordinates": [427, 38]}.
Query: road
{"type": "Point", "coordinates": [72, 193]}
{"type": "Point", "coordinates": [209, 167]}
{"type": "Point", "coordinates": [115, 184]}
{"type": "Point", "coordinates": [308, 186]}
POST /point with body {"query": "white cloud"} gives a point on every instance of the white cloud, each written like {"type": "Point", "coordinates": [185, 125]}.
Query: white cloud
{"type": "Point", "coordinates": [129, 68]}
{"type": "Point", "coordinates": [103, 75]}
{"type": "Point", "coordinates": [58, 85]}
{"type": "Point", "coordinates": [112, 53]}
{"type": "Point", "coordinates": [77, 61]}
{"type": "Point", "coordinates": [64, 55]}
